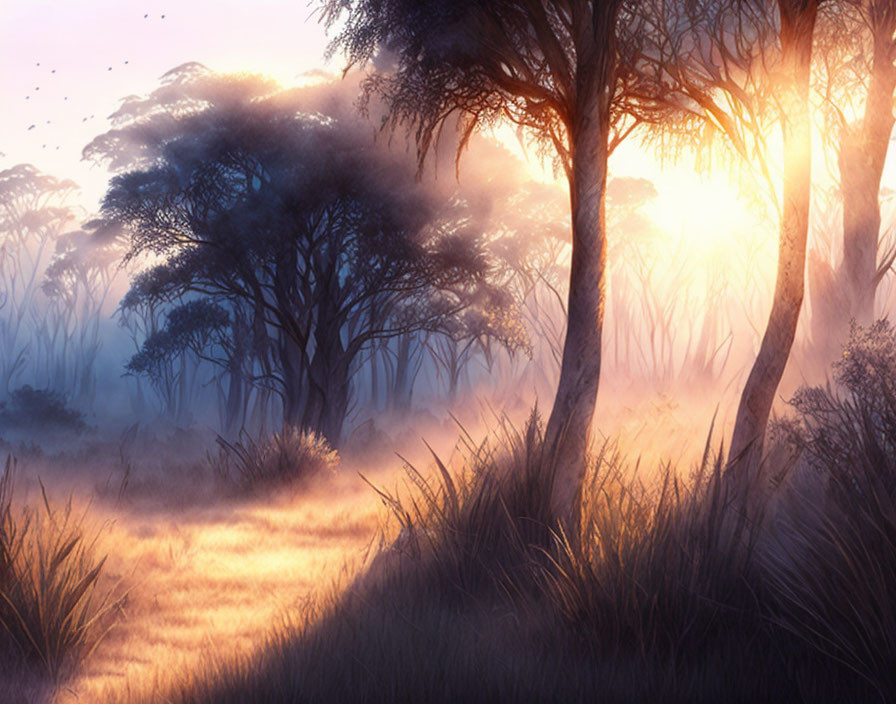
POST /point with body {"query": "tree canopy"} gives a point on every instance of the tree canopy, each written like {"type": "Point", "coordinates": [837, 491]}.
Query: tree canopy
{"type": "Point", "coordinates": [294, 220]}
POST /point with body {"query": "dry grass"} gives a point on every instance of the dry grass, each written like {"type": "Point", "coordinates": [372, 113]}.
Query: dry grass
{"type": "Point", "coordinates": [208, 580]}
{"type": "Point", "coordinates": [288, 457]}
{"type": "Point", "coordinates": [51, 607]}
{"type": "Point", "coordinates": [660, 598]}
{"type": "Point", "coordinates": [669, 591]}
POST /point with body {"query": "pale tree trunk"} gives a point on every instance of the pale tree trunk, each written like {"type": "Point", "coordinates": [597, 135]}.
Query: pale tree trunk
{"type": "Point", "coordinates": [797, 28]}
{"type": "Point", "coordinates": [863, 151]}
{"type": "Point", "coordinates": [568, 428]}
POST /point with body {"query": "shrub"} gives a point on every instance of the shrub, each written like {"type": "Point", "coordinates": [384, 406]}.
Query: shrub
{"type": "Point", "coordinates": [32, 409]}
{"type": "Point", "coordinates": [51, 607]}
{"type": "Point", "coordinates": [287, 457]}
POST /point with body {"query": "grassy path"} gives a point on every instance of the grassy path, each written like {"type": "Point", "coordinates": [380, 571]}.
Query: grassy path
{"type": "Point", "coordinates": [216, 578]}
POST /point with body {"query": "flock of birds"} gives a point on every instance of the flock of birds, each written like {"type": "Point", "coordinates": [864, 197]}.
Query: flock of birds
{"type": "Point", "coordinates": [33, 126]}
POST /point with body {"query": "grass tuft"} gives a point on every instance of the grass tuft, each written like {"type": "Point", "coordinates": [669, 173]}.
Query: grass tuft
{"type": "Point", "coordinates": [52, 610]}
{"type": "Point", "coordinates": [290, 456]}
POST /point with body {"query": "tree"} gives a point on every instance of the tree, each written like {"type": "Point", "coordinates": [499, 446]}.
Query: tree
{"type": "Point", "coordinates": [195, 327]}
{"type": "Point", "coordinates": [736, 69]}
{"type": "Point", "coordinates": [34, 212]}
{"type": "Point", "coordinates": [478, 328]}
{"type": "Point", "coordinates": [553, 68]}
{"type": "Point", "coordinates": [252, 196]}
{"type": "Point", "coordinates": [858, 82]}
{"type": "Point", "coordinates": [76, 285]}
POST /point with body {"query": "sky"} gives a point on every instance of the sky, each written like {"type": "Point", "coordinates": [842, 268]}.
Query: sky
{"type": "Point", "coordinates": [64, 64]}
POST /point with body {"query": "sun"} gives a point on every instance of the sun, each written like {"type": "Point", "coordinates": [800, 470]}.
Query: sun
{"type": "Point", "coordinates": [703, 212]}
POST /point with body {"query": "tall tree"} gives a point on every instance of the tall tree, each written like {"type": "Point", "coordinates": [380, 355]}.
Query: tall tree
{"type": "Point", "coordinates": [552, 67]}
{"type": "Point", "coordinates": [76, 286]}
{"type": "Point", "coordinates": [739, 69]}
{"type": "Point", "coordinates": [35, 209]}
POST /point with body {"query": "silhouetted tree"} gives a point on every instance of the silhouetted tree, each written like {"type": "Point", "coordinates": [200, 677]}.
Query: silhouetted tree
{"type": "Point", "coordinates": [76, 283]}
{"type": "Point", "coordinates": [320, 234]}
{"type": "Point", "coordinates": [199, 327]}
{"type": "Point", "coordinates": [35, 209]}
{"type": "Point", "coordinates": [490, 322]}
{"type": "Point", "coordinates": [858, 81]}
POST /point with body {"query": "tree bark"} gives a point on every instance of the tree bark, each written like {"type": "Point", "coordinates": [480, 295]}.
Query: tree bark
{"type": "Point", "coordinates": [797, 28]}
{"type": "Point", "coordinates": [568, 428]}
{"type": "Point", "coordinates": [296, 399]}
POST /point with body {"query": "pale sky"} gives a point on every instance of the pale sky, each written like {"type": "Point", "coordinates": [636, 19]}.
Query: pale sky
{"type": "Point", "coordinates": [77, 42]}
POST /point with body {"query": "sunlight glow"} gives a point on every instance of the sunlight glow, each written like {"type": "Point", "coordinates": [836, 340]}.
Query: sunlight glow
{"type": "Point", "coordinates": [703, 212]}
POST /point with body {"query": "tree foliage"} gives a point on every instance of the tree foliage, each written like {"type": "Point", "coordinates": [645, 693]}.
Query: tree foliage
{"type": "Point", "coordinates": [295, 219]}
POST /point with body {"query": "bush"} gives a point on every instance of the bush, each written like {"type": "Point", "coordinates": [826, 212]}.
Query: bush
{"type": "Point", "coordinates": [288, 457]}
{"type": "Point", "coordinates": [51, 608]}
{"type": "Point", "coordinates": [40, 409]}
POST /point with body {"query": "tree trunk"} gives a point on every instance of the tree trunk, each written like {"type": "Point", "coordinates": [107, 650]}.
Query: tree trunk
{"type": "Point", "coordinates": [336, 407]}
{"type": "Point", "coordinates": [568, 428]}
{"type": "Point", "coordinates": [290, 357]}
{"type": "Point", "coordinates": [401, 390]}
{"type": "Point", "coordinates": [863, 151]}
{"type": "Point", "coordinates": [797, 28]}
{"type": "Point", "coordinates": [233, 416]}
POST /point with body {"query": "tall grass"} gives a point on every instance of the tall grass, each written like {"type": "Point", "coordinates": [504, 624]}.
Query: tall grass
{"type": "Point", "coordinates": [52, 610]}
{"type": "Point", "coordinates": [676, 587]}
{"type": "Point", "coordinates": [665, 568]}
{"type": "Point", "coordinates": [477, 529]}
